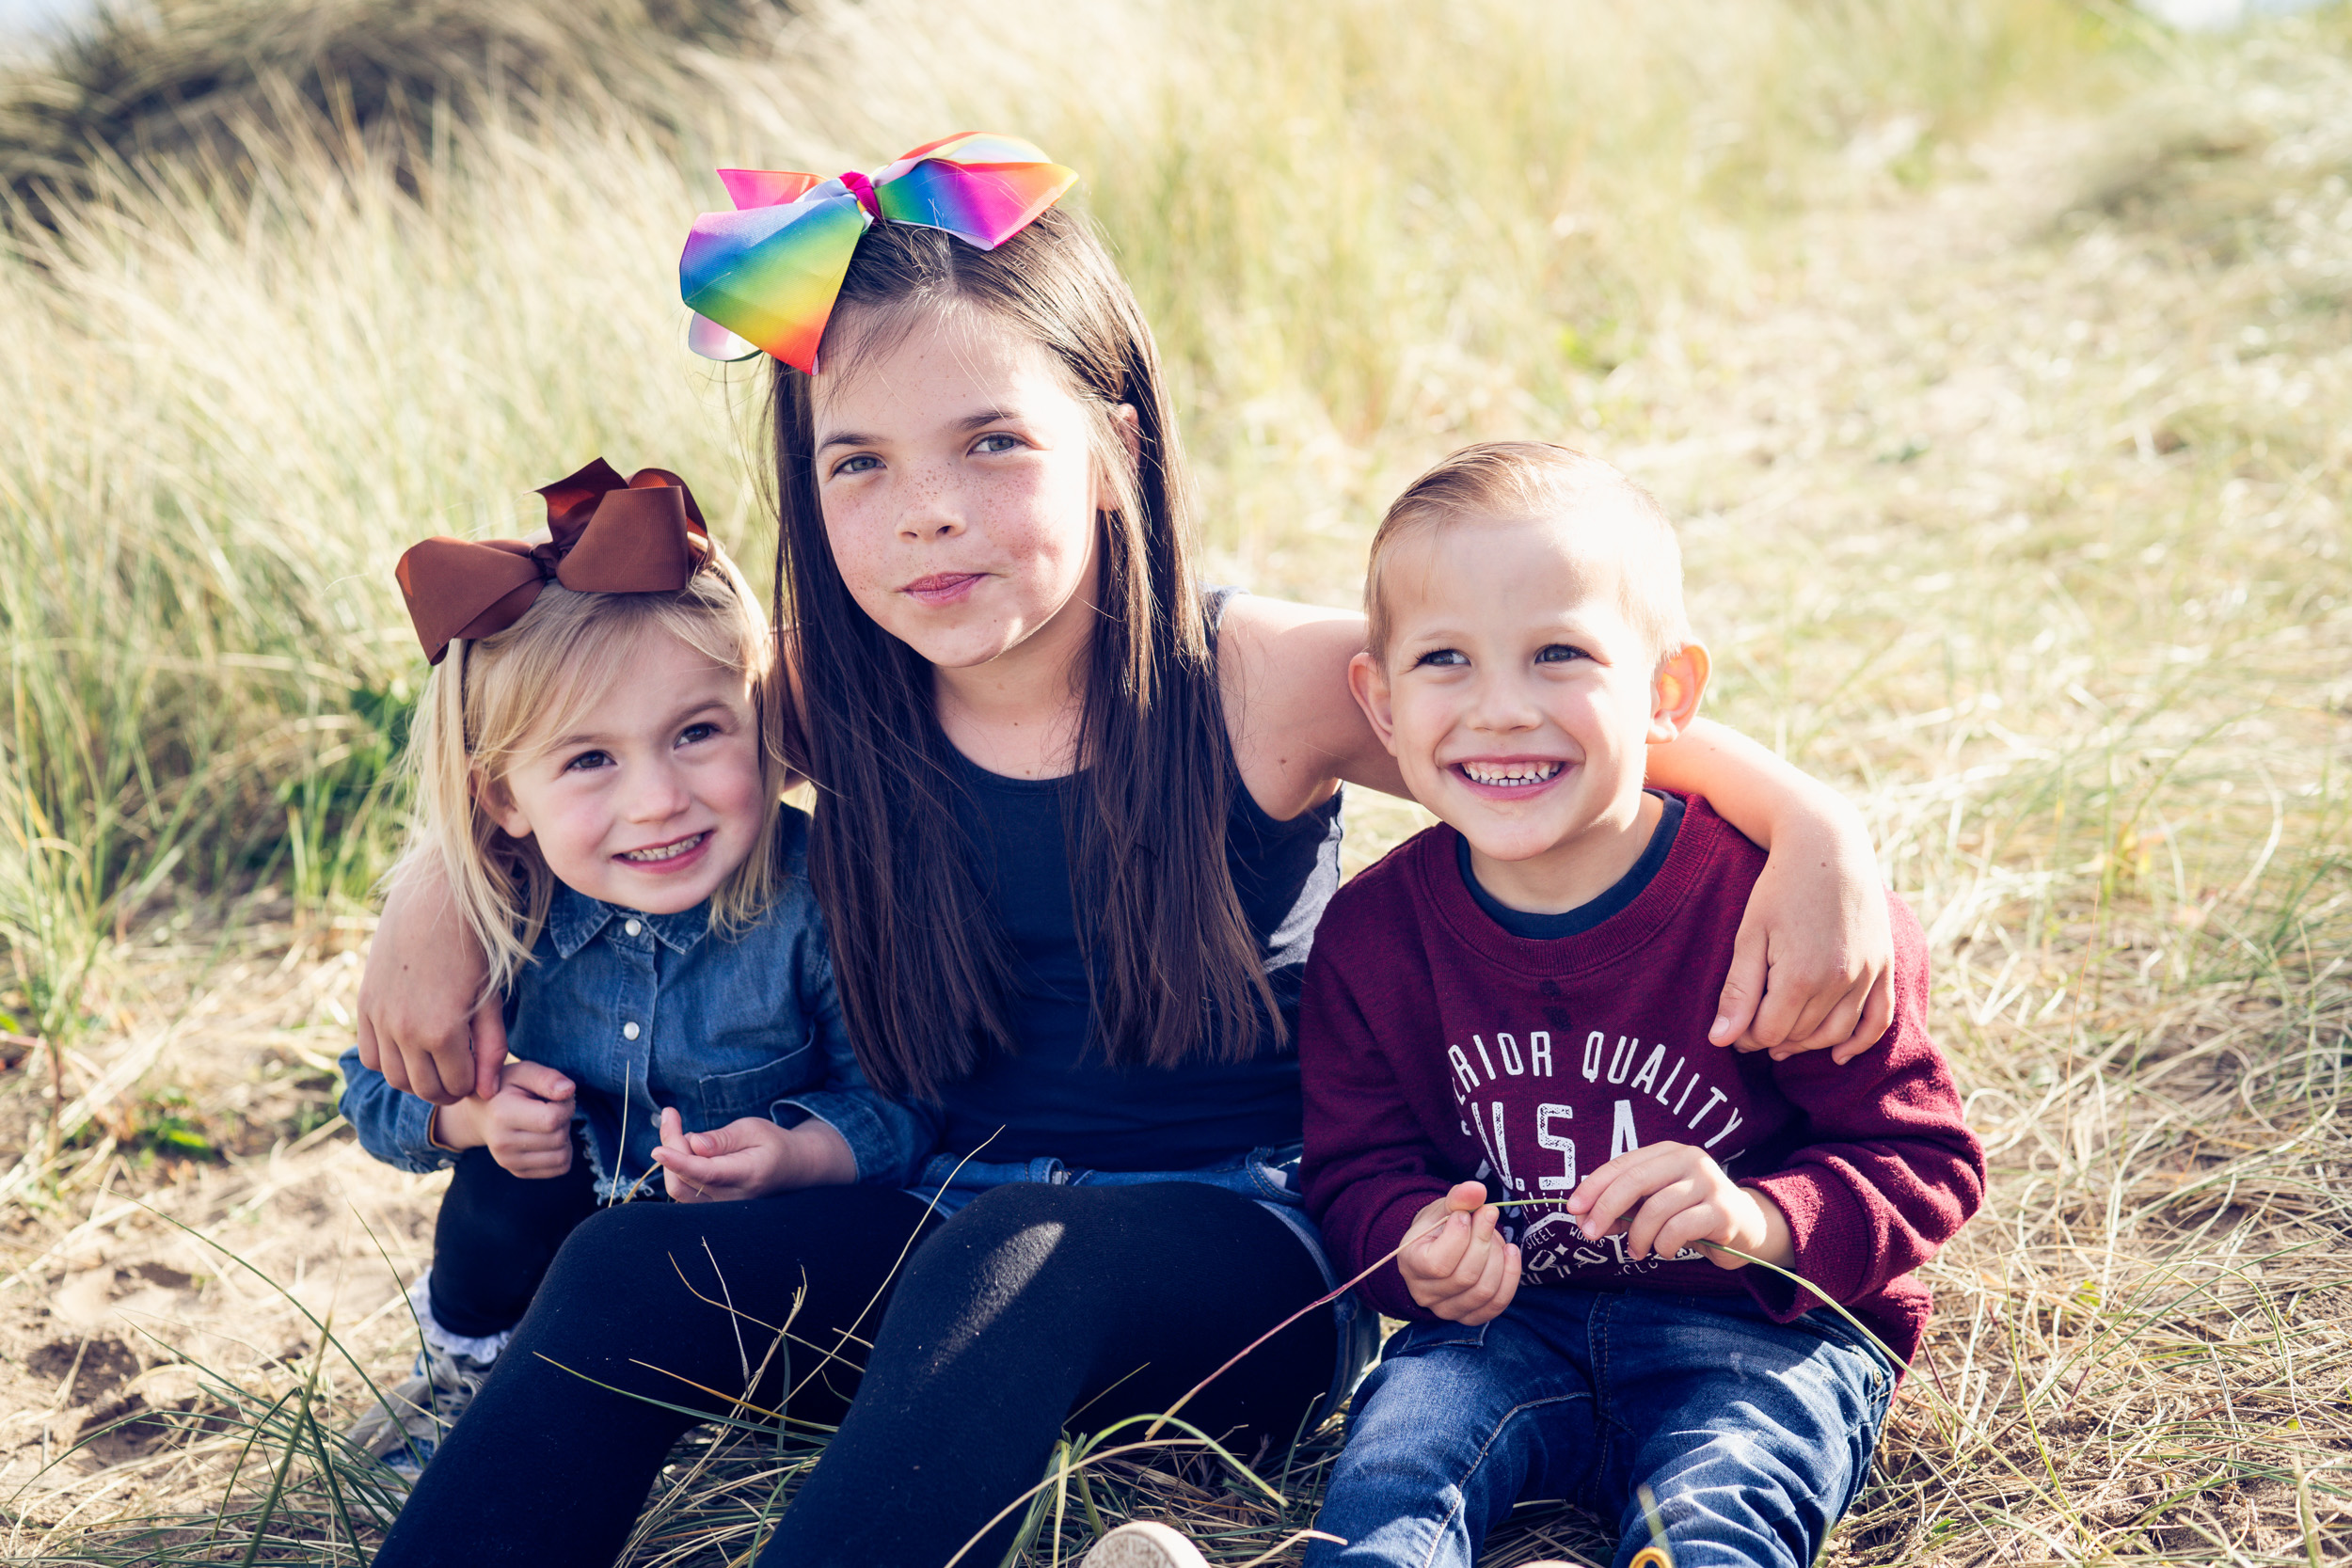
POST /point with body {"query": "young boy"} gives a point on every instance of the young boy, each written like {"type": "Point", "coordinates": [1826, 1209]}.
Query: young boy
{"type": "Point", "coordinates": [1514, 1005]}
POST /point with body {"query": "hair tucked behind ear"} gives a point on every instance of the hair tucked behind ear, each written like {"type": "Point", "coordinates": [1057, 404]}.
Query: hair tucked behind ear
{"type": "Point", "coordinates": [920, 963]}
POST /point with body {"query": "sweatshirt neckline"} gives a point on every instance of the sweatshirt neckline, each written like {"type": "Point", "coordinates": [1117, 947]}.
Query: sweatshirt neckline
{"type": "Point", "coordinates": [1626, 932]}
{"type": "Point", "coordinates": [1584, 916]}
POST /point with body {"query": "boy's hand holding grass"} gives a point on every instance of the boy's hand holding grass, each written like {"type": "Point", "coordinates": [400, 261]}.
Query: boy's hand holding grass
{"type": "Point", "coordinates": [750, 1157]}
{"type": "Point", "coordinates": [526, 1125]}
{"type": "Point", "coordinates": [1665, 1196]}
{"type": "Point", "coordinates": [1455, 1264]}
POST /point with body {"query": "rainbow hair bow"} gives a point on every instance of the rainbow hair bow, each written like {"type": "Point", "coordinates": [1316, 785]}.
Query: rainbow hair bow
{"type": "Point", "coordinates": [763, 278]}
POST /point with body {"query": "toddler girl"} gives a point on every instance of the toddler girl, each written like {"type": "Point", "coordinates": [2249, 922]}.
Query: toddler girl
{"type": "Point", "coordinates": [596, 786]}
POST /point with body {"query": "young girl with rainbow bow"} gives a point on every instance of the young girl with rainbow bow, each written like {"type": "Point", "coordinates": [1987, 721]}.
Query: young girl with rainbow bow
{"type": "Point", "coordinates": [1077, 820]}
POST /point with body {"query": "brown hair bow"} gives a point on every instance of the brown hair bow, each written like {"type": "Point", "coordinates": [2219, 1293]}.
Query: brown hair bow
{"type": "Point", "coordinates": [640, 535]}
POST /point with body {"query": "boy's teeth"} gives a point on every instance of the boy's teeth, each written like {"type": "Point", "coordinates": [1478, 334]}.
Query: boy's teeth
{"type": "Point", "coordinates": [666, 852]}
{"type": "Point", "coordinates": [1510, 772]}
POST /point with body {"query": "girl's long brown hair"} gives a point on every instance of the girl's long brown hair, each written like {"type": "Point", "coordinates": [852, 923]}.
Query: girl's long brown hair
{"type": "Point", "coordinates": [921, 963]}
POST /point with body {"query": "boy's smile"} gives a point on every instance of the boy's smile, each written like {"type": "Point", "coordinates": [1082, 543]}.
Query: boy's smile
{"type": "Point", "coordinates": [1511, 777]}
{"type": "Point", "coordinates": [1519, 700]}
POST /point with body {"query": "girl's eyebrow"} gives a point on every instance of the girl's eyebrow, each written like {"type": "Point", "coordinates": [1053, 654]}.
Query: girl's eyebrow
{"type": "Point", "coordinates": [969, 421]}
{"type": "Point", "coordinates": [592, 737]}
{"type": "Point", "coordinates": [695, 710]}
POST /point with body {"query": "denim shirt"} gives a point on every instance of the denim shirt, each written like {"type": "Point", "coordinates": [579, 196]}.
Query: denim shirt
{"type": "Point", "coordinates": [643, 1011]}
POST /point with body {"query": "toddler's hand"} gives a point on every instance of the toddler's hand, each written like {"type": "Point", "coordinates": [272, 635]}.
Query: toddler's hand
{"type": "Point", "coordinates": [1667, 1197]}
{"type": "Point", "coordinates": [1454, 1265]}
{"type": "Point", "coordinates": [750, 1157]}
{"type": "Point", "coordinates": [528, 1123]}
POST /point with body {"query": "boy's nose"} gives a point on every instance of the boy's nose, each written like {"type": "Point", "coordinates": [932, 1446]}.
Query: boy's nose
{"type": "Point", "coordinates": [1501, 703]}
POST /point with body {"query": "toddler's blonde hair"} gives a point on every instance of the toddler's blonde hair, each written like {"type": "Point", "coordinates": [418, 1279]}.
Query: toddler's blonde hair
{"type": "Point", "coordinates": [491, 703]}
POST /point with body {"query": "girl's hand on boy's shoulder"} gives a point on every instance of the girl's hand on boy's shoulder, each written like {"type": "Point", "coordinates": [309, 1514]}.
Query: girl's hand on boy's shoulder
{"type": "Point", "coordinates": [1454, 1261]}
{"type": "Point", "coordinates": [750, 1157]}
{"type": "Point", "coordinates": [1667, 1197]}
{"type": "Point", "coordinates": [1811, 968]}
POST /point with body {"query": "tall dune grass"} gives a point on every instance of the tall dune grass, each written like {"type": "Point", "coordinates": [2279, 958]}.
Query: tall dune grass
{"type": "Point", "coordinates": [239, 380]}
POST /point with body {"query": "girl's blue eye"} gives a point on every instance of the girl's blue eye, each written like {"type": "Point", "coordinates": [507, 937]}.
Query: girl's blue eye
{"type": "Point", "coordinates": [1441, 657]}
{"type": "Point", "coordinates": [996, 443]}
{"type": "Point", "coordinates": [1560, 652]}
{"type": "Point", "coordinates": [864, 463]}
{"type": "Point", "coordinates": [587, 760]}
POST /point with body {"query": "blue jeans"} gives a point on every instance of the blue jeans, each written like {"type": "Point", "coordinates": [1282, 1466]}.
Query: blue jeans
{"type": "Point", "coordinates": [1753, 1436]}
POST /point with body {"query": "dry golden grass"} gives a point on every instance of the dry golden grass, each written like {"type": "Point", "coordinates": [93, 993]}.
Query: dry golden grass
{"type": "Point", "coordinates": [2002, 376]}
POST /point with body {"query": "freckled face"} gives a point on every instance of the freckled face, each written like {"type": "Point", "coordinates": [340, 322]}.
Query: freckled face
{"type": "Point", "coordinates": [1518, 697]}
{"type": "Point", "coordinates": [959, 486]}
{"type": "Point", "coordinates": [657, 797]}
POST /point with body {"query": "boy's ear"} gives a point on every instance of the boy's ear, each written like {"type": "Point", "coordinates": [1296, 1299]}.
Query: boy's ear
{"type": "Point", "coordinates": [498, 804]}
{"type": "Point", "coordinates": [1368, 681]}
{"type": "Point", "coordinates": [1675, 691]}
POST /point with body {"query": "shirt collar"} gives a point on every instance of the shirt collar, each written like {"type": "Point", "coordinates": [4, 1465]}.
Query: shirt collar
{"type": "Point", "coordinates": [575, 919]}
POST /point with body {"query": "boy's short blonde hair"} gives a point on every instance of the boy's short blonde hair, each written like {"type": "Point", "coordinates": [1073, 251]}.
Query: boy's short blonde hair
{"type": "Point", "coordinates": [1513, 480]}
{"type": "Point", "coordinates": [494, 700]}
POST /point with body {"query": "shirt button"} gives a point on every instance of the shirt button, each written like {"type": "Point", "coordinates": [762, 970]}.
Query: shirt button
{"type": "Point", "coordinates": [633, 928]}
{"type": "Point", "coordinates": [628, 1031]}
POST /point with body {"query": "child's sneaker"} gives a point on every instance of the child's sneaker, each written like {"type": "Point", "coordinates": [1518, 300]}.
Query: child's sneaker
{"type": "Point", "coordinates": [416, 1412]}
{"type": "Point", "coordinates": [1144, 1545]}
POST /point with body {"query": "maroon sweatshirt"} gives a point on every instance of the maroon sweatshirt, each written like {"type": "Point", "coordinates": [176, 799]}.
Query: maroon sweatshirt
{"type": "Point", "coordinates": [1437, 1046]}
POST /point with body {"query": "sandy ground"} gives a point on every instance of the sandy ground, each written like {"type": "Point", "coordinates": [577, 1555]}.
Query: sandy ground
{"type": "Point", "coordinates": [141, 1271]}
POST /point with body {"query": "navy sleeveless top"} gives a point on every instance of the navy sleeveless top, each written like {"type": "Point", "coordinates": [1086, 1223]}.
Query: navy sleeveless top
{"type": "Point", "coordinates": [1056, 1096]}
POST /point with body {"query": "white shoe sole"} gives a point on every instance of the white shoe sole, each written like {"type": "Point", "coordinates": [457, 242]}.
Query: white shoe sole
{"type": "Point", "coordinates": [1144, 1545]}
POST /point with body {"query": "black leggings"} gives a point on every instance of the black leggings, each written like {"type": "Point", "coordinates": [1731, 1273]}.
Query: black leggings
{"type": "Point", "coordinates": [1032, 1302]}
{"type": "Point", "coordinates": [496, 1236]}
